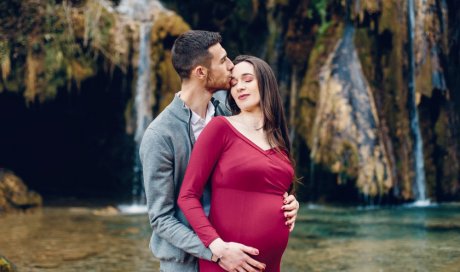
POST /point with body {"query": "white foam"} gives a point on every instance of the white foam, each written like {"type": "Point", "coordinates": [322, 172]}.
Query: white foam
{"type": "Point", "coordinates": [421, 203]}
{"type": "Point", "coordinates": [133, 209]}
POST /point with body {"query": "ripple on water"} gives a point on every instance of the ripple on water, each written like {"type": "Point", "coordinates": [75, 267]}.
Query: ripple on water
{"type": "Point", "coordinates": [325, 239]}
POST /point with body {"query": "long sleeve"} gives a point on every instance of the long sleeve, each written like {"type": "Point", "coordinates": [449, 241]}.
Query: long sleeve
{"type": "Point", "coordinates": [205, 155]}
{"type": "Point", "coordinates": [157, 160]}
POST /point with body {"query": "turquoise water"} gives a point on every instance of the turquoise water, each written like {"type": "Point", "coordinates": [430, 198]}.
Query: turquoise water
{"type": "Point", "coordinates": [376, 239]}
{"type": "Point", "coordinates": [325, 239]}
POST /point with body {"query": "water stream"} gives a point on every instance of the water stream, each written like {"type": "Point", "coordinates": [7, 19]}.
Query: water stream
{"type": "Point", "coordinates": [144, 12]}
{"type": "Point", "coordinates": [325, 239]}
{"type": "Point", "coordinates": [419, 168]}
{"type": "Point", "coordinates": [143, 112]}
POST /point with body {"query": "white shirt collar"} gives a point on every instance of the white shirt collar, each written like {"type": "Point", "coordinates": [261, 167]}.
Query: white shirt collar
{"type": "Point", "coordinates": [209, 114]}
{"type": "Point", "coordinates": [210, 111]}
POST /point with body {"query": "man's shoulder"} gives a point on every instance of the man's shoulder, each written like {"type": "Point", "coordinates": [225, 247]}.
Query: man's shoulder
{"type": "Point", "coordinates": [173, 115]}
{"type": "Point", "coordinates": [221, 106]}
{"type": "Point", "coordinates": [163, 125]}
{"type": "Point", "coordinates": [166, 123]}
{"type": "Point", "coordinates": [164, 118]}
{"type": "Point", "coordinates": [159, 134]}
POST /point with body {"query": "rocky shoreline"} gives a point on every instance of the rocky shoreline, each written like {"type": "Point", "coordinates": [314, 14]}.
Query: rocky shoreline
{"type": "Point", "coordinates": [15, 195]}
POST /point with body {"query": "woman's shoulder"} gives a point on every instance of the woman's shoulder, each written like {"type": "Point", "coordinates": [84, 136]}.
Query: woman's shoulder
{"type": "Point", "coordinates": [217, 127]}
{"type": "Point", "coordinates": [219, 121]}
{"type": "Point", "coordinates": [223, 124]}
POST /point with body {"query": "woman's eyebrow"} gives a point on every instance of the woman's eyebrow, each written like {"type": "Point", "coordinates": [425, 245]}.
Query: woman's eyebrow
{"type": "Point", "coordinates": [247, 74]}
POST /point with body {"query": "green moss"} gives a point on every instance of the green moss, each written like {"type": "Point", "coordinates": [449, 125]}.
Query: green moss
{"type": "Point", "coordinates": [46, 53]}
{"type": "Point", "coordinates": [6, 266]}
{"type": "Point", "coordinates": [170, 81]}
{"type": "Point", "coordinates": [165, 77]}
{"type": "Point", "coordinates": [320, 7]}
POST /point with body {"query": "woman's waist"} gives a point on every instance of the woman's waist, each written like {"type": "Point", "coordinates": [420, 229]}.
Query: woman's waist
{"type": "Point", "coordinates": [246, 208]}
{"type": "Point", "coordinates": [275, 192]}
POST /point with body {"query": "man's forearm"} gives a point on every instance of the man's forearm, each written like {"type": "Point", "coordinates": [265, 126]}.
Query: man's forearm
{"type": "Point", "coordinates": [158, 171]}
{"type": "Point", "coordinates": [180, 236]}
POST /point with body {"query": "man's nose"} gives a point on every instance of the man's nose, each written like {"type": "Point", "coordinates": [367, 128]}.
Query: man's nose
{"type": "Point", "coordinates": [230, 65]}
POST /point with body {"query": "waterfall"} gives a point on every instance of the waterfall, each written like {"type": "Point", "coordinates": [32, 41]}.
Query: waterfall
{"type": "Point", "coordinates": [419, 180]}
{"type": "Point", "coordinates": [142, 107]}
{"type": "Point", "coordinates": [143, 12]}
{"type": "Point", "coordinates": [143, 88]}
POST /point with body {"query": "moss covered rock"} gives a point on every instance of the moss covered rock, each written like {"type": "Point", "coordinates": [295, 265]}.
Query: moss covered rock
{"type": "Point", "coordinates": [14, 194]}
{"type": "Point", "coordinates": [6, 266]}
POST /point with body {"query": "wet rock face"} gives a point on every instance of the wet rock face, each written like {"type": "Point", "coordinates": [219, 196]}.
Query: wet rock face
{"type": "Point", "coordinates": [346, 128]}
{"type": "Point", "coordinates": [14, 194]}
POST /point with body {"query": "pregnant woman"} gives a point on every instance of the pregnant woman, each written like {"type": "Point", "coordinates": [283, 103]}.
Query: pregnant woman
{"type": "Point", "coordinates": [246, 158]}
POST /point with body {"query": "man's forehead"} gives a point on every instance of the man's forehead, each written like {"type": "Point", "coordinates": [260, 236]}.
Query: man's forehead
{"type": "Point", "coordinates": [218, 51]}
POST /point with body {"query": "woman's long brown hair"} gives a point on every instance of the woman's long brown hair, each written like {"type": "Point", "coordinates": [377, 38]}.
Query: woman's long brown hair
{"type": "Point", "coordinates": [275, 125]}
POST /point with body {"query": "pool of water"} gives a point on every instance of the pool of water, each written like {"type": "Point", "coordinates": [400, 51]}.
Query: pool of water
{"type": "Point", "coordinates": [325, 239]}
{"type": "Point", "coordinates": [376, 239]}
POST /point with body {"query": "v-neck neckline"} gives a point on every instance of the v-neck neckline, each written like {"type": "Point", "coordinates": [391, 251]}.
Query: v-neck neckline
{"type": "Point", "coordinates": [246, 139]}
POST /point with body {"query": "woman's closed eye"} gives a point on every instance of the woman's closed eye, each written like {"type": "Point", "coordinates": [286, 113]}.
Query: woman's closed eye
{"type": "Point", "coordinates": [248, 78]}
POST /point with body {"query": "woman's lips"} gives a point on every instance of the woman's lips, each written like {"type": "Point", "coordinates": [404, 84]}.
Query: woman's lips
{"type": "Point", "coordinates": [243, 96]}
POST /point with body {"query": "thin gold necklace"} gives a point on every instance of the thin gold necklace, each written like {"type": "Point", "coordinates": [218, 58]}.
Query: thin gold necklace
{"type": "Point", "coordinates": [249, 126]}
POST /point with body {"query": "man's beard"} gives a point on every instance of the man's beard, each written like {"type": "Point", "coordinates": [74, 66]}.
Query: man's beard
{"type": "Point", "coordinates": [214, 84]}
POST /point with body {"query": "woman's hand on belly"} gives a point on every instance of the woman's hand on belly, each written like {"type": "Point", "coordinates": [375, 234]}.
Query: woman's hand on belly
{"type": "Point", "coordinates": [234, 256]}
{"type": "Point", "coordinates": [290, 208]}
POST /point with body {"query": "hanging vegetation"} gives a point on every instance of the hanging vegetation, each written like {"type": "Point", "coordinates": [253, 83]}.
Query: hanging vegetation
{"type": "Point", "coordinates": [63, 44]}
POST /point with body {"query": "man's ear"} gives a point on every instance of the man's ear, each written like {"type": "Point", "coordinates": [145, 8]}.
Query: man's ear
{"type": "Point", "coordinates": [200, 72]}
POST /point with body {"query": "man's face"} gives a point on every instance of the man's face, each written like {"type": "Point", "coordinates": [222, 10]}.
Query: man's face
{"type": "Point", "coordinates": [220, 71]}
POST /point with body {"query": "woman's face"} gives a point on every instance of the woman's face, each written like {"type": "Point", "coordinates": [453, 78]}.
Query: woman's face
{"type": "Point", "coordinates": [244, 87]}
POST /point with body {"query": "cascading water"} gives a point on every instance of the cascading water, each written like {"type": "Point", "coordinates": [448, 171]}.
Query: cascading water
{"type": "Point", "coordinates": [143, 12]}
{"type": "Point", "coordinates": [142, 109]}
{"type": "Point", "coordinates": [419, 181]}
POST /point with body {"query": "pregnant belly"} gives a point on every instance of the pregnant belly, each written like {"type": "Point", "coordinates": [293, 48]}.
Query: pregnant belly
{"type": "Point", "coordinates": [251, 218]}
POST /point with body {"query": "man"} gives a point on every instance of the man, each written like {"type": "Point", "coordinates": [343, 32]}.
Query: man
{"type": "Point", "coordinates": [204, 68]}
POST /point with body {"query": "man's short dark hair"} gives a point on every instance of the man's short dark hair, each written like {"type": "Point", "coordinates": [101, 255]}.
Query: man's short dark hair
{"type": "Point", "coordinates": [191, 49]}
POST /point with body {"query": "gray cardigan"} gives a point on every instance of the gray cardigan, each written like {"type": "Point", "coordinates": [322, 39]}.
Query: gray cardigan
{"type": "Point", "coordinates": [165, 152]}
